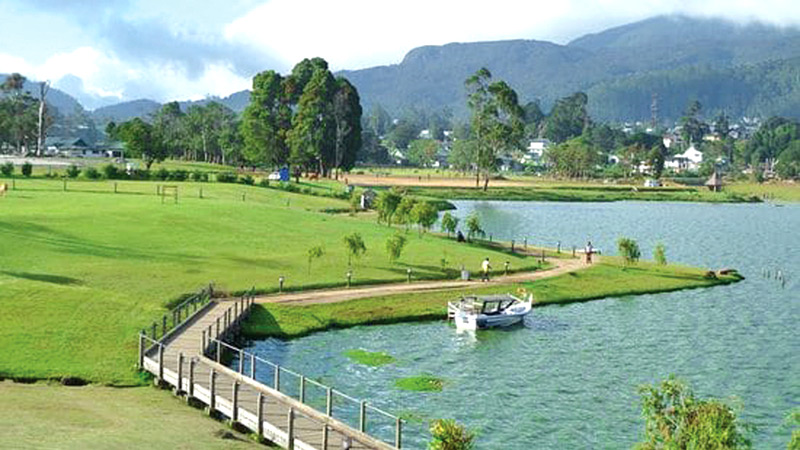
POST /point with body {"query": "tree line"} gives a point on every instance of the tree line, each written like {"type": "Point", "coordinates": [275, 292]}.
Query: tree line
{"type": "Point", "coordinates": [308, 119]}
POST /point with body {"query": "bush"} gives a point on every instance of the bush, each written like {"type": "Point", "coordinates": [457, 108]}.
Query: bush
{"type": "Point", "coordinates": [179, 175]}
{"type": "Point", "coordinates": [140, 174]}
{"type": "Point", "coordinates": [161, 174]}
{"type": "Point", "coordinates": [73, 171]}
{"type": "Point", "coordinates": [248, 180]}
{"type": "Point", "coordinates": [199, 175]}
{"type": "Point", "coordinates": [111, 172]}
{"type": "Point", "coordinates": [91, 173]}
{"type": "Point", "coordinates": [447, 434]}
{"type": "Point", "coordinates": [629, 250]}
{"type": "Point", "coordinates": [7, 169]}
{"type": "Point", "coordinates": [226, 177]}
{"type": "Point", "coordinates": [264, 182]}
{"type": "Point", "coordinates": [27, 169]}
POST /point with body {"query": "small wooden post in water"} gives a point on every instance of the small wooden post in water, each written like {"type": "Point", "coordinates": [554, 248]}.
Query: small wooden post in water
{"type": "Point", "coordinates": [276, 382]}
{"type": "Point", "coordinates": [398, 433]}
{"type": "Point", "coordinates": [302, 389]}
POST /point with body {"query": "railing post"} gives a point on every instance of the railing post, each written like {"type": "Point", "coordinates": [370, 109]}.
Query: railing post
{"type": "Point", "coordinates": [191, 378]}
{"type": "Point", "coordinates": [260, 415]}
{"type": "Point", "coordinates": [154, 330]}
{"type": "Point", "coordinates": [212, 388]}
{"type": "Point", "coordinates": [216, 335]}
{"type": "Point", "coordinates": [290, 429]}
{"type": "Point", "coordinates": [163, 325]}
{"type": "Point", "coordinates": [276, 382]}
{"type": "Point", "coordinates": [179, 387]}
{"type": "Point", "coordinates": [141, 351]}
{"type": "Point", "coordinates": [252, 366]}
{"type": "Point", "coordinates": [362, 417]}
{"type": "Point", "coordinates": [325, 437]}
{"type": "Point", "coordinates": [160, 362]}
{"type": "Point", "coordinates": [398, 433]}
{"type": "Point", "coordinates": [235, 398]}
{"type": "Point", "coordinates": [241, 361]}
{"type": "Point", "coordinates": [203, 344]}
{"type": "Point", "coordinates": [219, 351]}
{"type": "Point", "coordinates": [329, 402]}
{"type": "Point", "coordinates": [302, 389]}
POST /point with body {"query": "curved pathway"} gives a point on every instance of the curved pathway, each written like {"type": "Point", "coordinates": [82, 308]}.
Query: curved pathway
{"type": "Point", "coordinates": [561, 266]}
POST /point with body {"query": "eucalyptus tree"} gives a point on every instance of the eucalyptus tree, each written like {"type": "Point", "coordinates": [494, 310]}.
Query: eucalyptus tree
{"type": "Point", "coordinates": [168, 129]}
{"type": "Point", "coordinates": [497, 121]}
{"type": "Point", "coordinates": [313, 134]}
{"type": "Point", "coordinates": [266, 120]}
{"type": "Point", "coordinates": [347, 119]}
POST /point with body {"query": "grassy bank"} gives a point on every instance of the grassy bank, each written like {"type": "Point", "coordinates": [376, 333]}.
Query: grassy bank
{"type": "Point", "coordinates": [89, 417]}
{"type": "Point", "coordinates": [83, 271]}
{"type": "Point", "coordinates": [587, 193]}
{"type": "Point", "coordinates": [606, 279]}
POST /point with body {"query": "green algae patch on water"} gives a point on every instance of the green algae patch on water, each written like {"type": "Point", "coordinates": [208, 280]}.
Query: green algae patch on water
{"type": "Point", "coordinates": [421, 383]}
{"type": "Point", "coordinates": [374, 359]}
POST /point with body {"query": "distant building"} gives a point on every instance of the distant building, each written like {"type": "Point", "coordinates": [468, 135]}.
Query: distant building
{"type": "Point", "coordinates": [715, 182]}
{"type": "Point", "coordinates": [534, 151]}
{"type": "Point", "coordinates": [688, 160]}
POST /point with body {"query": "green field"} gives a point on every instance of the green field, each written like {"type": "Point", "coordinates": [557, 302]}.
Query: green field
{"type": "Point", "coordinates": [83, 271]}
{"type": "Point", "coordinates": [606, 279]}
{"type": "Point", "coordinates": [96, 417]}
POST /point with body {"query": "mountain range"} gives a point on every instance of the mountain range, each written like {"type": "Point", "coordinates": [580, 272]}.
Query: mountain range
{"type": "Point", "coordinates": [742, 69]}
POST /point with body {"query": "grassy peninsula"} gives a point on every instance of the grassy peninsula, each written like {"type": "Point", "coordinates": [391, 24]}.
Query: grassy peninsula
{"type": "Point", "coordinates": [609, 278]}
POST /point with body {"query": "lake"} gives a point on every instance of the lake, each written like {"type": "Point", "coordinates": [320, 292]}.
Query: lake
{"type": "Point", "coordinates": [569, 378]}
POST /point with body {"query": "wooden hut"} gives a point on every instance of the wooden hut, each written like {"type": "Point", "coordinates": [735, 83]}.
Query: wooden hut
{"type": "Point", "coordinates": [715, 182]}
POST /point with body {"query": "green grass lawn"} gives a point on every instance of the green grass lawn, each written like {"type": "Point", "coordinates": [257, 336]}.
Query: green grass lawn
{"type": "Point", "coordinates": [96, 417]}
{"type": "Point", "coordinates": [83, 271]}
{"type": "Point", "coordinates": [784, 191]}
{"type": "Point", "coordinates": [607, 279]}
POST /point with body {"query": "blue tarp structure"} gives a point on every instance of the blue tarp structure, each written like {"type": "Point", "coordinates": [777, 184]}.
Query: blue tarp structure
{"type": "Point", "coordinates": [284, 171]}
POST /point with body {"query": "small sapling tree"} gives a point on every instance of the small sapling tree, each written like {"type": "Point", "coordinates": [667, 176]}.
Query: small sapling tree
{"type": "Point", "coordinates": [394, 246]}
{"type": "Point", "coordinates": [660, 255]}
{"type": "Point", "coordinates": [314, 252]}
{"type": "Point", "coordinates": [449, 223]}
{"type": "Point", "coordinates": [447, 434]}
{"type": "Point", "coordinates": [629, 250]}
{"type": "Point", "coordinates": [73, 171]}
{"type": "Point", "coordinates": [7, 169]}
{"type": "Point", "coordinates": [403, 214]}
{"type": "Point", "coordinates": [424, 214]}
{"type": "Point", "coordinates": [474, 226]}
{"type": "Point", "coordinates": [386, 203]}
{"type": "Point", "coordinates": [355, 247]}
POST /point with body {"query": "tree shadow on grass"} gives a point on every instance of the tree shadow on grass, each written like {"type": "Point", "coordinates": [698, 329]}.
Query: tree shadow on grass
{"type": "Point", "coordinates": [43, 277]}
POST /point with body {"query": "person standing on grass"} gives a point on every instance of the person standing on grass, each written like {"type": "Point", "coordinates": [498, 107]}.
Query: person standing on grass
{"type": "Point", "coordinates": [485, 268]}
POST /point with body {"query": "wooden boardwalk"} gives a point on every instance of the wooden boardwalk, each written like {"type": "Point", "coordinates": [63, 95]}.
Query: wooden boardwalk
{"type": "Point", "coordinates": [180, 359]}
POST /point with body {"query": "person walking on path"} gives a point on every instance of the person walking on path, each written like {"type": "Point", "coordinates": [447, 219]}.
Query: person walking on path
{"type": "Point", "coordinates": [485, 268]}
{"type": "Point", "coordinates": [589, 250]}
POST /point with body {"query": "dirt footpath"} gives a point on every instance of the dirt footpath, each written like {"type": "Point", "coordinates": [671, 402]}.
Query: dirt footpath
{"type": "Point", "coordinates": [562, 266]}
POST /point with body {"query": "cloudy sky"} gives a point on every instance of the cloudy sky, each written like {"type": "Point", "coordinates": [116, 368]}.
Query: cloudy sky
{"type": "Point", "coordinates": [105, 51]}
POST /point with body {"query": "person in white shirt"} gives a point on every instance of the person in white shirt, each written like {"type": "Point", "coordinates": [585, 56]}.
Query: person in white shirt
{"type": "Point", "coordinates": [485, 268]}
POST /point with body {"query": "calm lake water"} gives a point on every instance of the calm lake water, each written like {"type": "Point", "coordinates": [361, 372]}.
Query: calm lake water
{"type": "Point", "coordinates": [568, 379]}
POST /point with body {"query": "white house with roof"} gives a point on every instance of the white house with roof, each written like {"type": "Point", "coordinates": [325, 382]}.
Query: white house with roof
{"type": "Point", "coordinates": [534, 151]}
{"type": "Point", "coordinates": [688, 160]}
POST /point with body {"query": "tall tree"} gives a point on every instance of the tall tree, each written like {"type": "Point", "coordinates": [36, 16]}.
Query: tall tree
{"type": "Point", "coordinates": [313, 134]}
{"type": "Point", "coordinates": [347, 120]}
{"type": "Point", "coordinates": [44, 88]}
{"type": "Point", "coordinates": [169, 131]}
{"type": "Point", "coordinates": [693, 128]}
{"type": "Point", "coordinates": [266, 120]}
{"type": "Point", "coordinates": [497, 124]}
{"type": "Point", "coordinates": [568, 118]}
{"type": "Point", "coordinates": [141, 141]}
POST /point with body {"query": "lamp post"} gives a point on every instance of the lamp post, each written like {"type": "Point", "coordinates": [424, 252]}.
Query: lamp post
{"type": "Point", "coordinates": [281, 279]}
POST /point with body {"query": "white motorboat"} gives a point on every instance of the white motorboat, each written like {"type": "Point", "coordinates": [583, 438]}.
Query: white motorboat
{"type": "Point", "coordinates": [478, 313]}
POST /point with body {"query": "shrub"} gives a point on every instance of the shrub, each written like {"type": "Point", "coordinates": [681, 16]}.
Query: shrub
{"type": "Point", "coordinates": [226, 177]}
{"type": "Point", "coordinates": [629, 250]}
{"type": "Point", "coordinates": [248, 180]}
{"type": "Point", "coordinates": [447, 434]}
{"type": "Point", "coordinates": [73, 171]}
{"type": "Point", "coordinates": [675, 418]}
{"type": "Point", "coordinates": [394, 246]}
{"type": "Point", "coordinates": [474, 226]}
{"type": "Point", "coordinates": [140, 174]}
{"type": "Point", "coordinates": [27, 169]}
{"type": "Point", "coordinates": [659, 254]}
{"type": "Point", "coordinates": [91, 173]}
{"type": "Point", "coordinates": [111, 172]}
{"type": "Point", "coordinates": [179, 175]}
{"type": "Point", "coordinates": [161, 174]}
{"type": "Point", "coordinates": [199, 175]}
{"type": "Point", "coordinates": [264, 182]}
{"type": "Point", "coordinates": [449, 223]}
{"type": "Point", "coordinates": [7, 169]}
